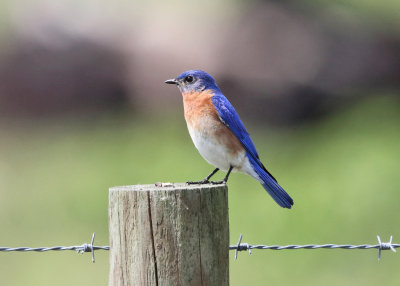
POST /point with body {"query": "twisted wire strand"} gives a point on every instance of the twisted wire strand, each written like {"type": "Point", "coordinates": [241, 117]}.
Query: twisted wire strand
{"type": "Point", "coordinates": [381, 246]}
{"type": "Point", "coordinates": [81, 248]}
{"type": "Point", "coordinates": [246, 246]}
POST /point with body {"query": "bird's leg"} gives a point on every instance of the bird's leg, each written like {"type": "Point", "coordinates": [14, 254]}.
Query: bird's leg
{"type": "Point", "coordinates": [225, 179]}
{"type": "Point", "coordinates": [205, 180]}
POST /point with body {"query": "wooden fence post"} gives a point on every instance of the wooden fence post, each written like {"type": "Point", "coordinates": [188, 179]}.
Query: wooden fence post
{"type": "Point", "coordinates": [174, 235]}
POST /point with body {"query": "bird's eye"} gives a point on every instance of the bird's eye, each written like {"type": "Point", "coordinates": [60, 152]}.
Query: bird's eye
{"type": "Point", "coordinates": [189, 79]}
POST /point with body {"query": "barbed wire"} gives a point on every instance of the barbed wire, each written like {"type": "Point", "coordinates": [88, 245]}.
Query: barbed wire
{"type": "Point", "coordinates": [79, 249]}
{"type": "Point", "coordinates": [380, 246]}
{"type": "Point", "coordinates": [238, 247]}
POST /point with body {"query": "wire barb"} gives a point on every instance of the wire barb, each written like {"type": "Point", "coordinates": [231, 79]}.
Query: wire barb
{"type": "Point", "coordinates": [88, 247]}
{"type": "Point", "coordinates": [385, 246]}
{"type": "Point", "coordinates": [240, 246]}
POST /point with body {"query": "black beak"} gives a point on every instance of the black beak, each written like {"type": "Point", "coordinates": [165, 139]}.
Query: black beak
{"type": "Point", "coordinates": [171, 81]}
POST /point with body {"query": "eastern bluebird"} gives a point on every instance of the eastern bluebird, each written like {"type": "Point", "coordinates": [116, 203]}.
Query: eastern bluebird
{"type": "Point", "coordinates": [219, 134]}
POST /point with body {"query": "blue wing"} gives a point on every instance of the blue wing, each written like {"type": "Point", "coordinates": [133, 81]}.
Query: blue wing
{"type": "Point", "coordinates": [230, 118]}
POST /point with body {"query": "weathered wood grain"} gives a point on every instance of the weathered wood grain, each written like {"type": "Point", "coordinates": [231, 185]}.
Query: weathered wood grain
{"type": "Point", "coordinates": [175, 235]}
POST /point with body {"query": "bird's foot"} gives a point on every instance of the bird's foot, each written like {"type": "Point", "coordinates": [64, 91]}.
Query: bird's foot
{"type": "Point", "coordinates": [218, 182]}
{"type": "Point", "coordinates": [205, 181]}
{"type": "Point", "coordinates": [202, 182]}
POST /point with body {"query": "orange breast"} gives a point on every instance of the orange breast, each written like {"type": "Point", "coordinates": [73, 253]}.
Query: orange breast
{"type": "Point", "coordinates": [201, 115]}
{"type": "Point", "coordinates": [198, 107]}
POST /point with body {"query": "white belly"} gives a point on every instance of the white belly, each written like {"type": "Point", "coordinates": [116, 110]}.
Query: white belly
{"type": "Point", "coordinates": [217, 154]}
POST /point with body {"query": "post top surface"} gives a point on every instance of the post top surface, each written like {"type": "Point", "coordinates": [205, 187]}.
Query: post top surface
{"type": "Point", "coordinates": [166, 187]}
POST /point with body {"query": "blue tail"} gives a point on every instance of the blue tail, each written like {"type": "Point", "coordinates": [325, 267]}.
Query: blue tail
{"type": "Point", "coordinates": [271, 185]}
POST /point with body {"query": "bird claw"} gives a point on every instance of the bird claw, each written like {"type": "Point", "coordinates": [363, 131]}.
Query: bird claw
{"type": "Point", "coordinates": [218, 182]}
{"type": "Point", "coordinates": [202, 182]}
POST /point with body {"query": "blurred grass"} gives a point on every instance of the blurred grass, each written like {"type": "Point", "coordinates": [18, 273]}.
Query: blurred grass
{"type": "Point", "coordinates": [342, 173]}
{"type": "Point", "coordinates": [382, 15]}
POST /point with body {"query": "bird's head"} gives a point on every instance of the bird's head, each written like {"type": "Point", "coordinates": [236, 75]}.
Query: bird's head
{"type": "Point", "coordinates": [194, 81]}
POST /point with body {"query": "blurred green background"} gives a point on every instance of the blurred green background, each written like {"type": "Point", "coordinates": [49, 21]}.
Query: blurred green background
{"type": "Point", "coordinates": [84, 108]}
